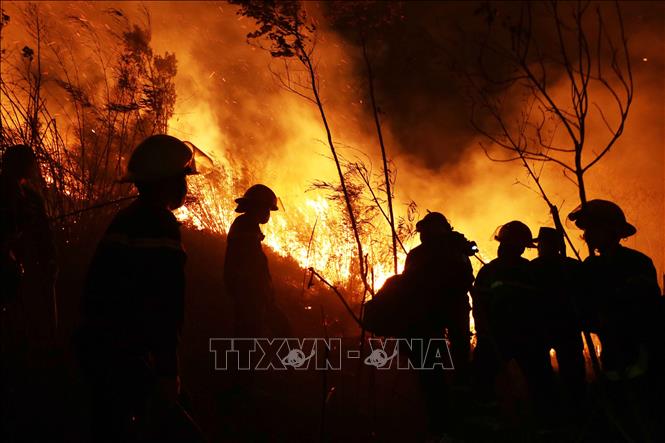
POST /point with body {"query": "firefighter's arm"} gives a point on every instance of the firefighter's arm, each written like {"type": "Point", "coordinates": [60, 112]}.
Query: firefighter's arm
{"type": "Point", "coordinates": [643, 294]}
{"type": "Point", "coordinates": [645, 281]}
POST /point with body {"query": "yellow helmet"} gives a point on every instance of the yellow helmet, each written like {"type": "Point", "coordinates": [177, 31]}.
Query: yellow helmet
{"type": "Point", "coordinates": [160, 156]}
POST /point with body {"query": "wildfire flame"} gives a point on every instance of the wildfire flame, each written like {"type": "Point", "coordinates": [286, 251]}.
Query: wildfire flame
{"type": "Point", "coordinates": [230, 106]}
{"type": "Point", "coordinates": [310, 231]}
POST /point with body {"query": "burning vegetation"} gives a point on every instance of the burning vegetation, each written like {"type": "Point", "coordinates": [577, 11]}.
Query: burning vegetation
{"type": "Point", "coordinates": [86, 100]}
{"type": "Point", "coordinates": [355, 113]}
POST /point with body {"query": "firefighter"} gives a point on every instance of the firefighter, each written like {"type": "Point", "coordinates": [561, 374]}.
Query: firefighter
{"type": "Point", "coordinates": [133, 305]}
{"type": "Point", "coordinates": [440, 268]}
{"type": "Point", "coordinates": [439, 275]}
{"type": "Point", "coordinates": [28, 251]}
{"type": "Point", "coordinates": [246, 273]}
{"type": "Point", "coordinates": [509, 336]}
{"type": "Point", "coordinates": [28, 314]}
{"type": "Point", "coordinates": [557, 279]}
{"type": "Point", "coordinates": [249, 284]}
{"type": "Point", "coordinates": [622, 304]}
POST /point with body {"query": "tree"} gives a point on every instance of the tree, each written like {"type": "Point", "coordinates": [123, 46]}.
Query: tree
{"type": "Point", "coordinates": [364, 19]}
{"type": "Point", "coordinates": [291, 34]}
{"type": "Point", "coordinates": [588, 57]}
{"type": "Point", "coordinates": [82, 116]}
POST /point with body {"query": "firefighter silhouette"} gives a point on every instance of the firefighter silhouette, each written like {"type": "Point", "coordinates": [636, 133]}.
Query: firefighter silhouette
{"type": "Point", "coordinates": [246, 273]}
{"type": "Point", "coordinates": [28, 314]}
{"type": "Point", "coordinates": [440, 269]}
{"type": "Point", "coordinates": [557, 280]}
{"type": "Point", "coordinates": [510, 338]}
{"type": "Point", "coordinates": [249, 284]}
{"type": "Point", "coordinates": [133, 305]}
{"type": "Point", "coordinates": [622, 303]}
{"type": "Point", "coordinates": [28, 251]}
{"type": "Point", "coordinates": [438, 274]}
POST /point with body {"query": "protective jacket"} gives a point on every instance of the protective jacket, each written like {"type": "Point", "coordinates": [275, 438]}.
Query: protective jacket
{"type": "Point", "coordinates": [440, 275]}
{"type": "Point", "coordinates": [505, 306]}
{"type": "Point", "coordinates": [134, 296]}
{"type": "Point", "coordinates": [622, 304]}
{"type": "Point", "coordinates": [558, 279]}
{"type": "Point", "coordinates": [25, 229]}
{"type": "Point", "coordinates": [247, 277]}
{"type": "Point", "coordinates": [246, 272]}
{"type": "Point", "coordinates": [28, 264]}
{"type": "Point", "coordinates": [508, 322]}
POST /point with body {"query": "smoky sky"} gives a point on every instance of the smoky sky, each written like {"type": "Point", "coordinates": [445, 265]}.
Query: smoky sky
{"type": "Point", "coordinates": [415, 87]}
{"type": "Point", "coordinates": [417, 59]}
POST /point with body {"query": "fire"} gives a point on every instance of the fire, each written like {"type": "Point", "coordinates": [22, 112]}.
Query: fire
{"type": "Point", "coordinates": [309, 227]}
{"type": "Point", "coordinates": [230, 105]}
{"type": "Point", "coordinates": [259, 133]}
{"type": "Point", "coordinates": [311, 231]}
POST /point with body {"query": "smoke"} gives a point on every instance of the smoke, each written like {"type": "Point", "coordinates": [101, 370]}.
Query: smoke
{"type": "Point", "coordinates": [232, 106]}
{"type": "Point", "coordinates": [424, 108]}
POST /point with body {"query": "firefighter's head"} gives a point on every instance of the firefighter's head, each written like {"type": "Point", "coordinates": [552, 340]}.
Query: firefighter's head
{"type": "Point", "coordinates": [550, 242]}
{"type": "Point", "coordinates": [603, 222]}
{"type": "Point", "coordinates": [432, 226]}
{"type": "Point", "coordinates": [513, 237]}
{"type": "Point", "coordinates": [158, 167]}
{"type": "Point", "coordinates": [258, 201]}
{"type": "Point", "coordinates": [19, 163]}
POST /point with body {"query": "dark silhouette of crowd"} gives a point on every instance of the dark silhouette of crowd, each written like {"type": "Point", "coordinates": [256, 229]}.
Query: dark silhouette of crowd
{"type": "Point", "coordinates": [523, 311]}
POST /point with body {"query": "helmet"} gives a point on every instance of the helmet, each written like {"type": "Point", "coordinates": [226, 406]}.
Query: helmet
{"type": "Point", "coordinates": [160, 156]}
{"type": "Point", "coordinates": [548, 234]}
{"type": "Point", "coordinates": [551, 235]}
{"type": "Point", "coordinates": [602, 213]}
{"type": "Point", "coordinates": [515, 232]}
{"type": "Point", "coordinates": [433, 221]}
{"type": "Point", "coordinates": [257, 196]}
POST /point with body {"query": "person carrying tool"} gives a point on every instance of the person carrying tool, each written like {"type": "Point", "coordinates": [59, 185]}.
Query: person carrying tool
{"type": "Point", "coordinates": [133, 305]}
